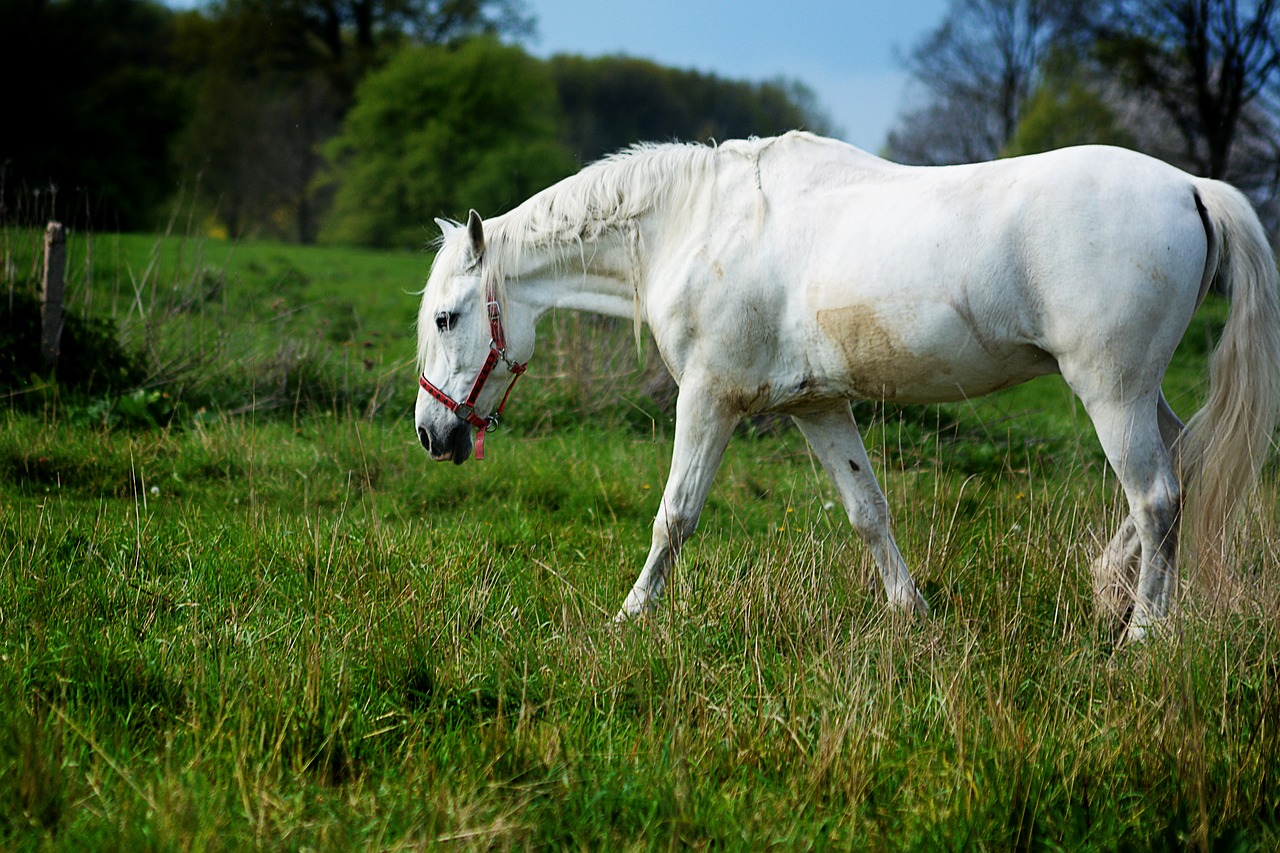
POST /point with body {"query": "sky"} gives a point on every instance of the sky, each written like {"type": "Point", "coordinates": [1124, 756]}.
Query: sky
{"type": "Point", "coordinates": [846, 51]}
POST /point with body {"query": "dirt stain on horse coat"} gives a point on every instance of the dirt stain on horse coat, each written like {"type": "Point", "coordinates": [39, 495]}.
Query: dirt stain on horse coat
{"type": "Point", "coordinates": [879, 363]}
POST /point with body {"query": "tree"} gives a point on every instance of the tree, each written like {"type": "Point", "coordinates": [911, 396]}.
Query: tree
{"type": "Point", "coordinates": [1069, 107]}
{"type": "Point", "coordinates": [91, 106]}
{"type": "Point", "coordinates": [437, 131]}
{"type": "Point", "coordinates": [977, 71]}
{"type": "Point", "coordinates": [348, 34]}
{"type": "Point", "coordinates": [614, 101]}
{"type": "Point", "coordinates": [1194, 82]}
{"type": "Point", "coordinates": [273, 80]}
{"type": "Point", "coordinates": [1206, 63]}
{"type": "Point", "coordinates": [266, 97]}
{"type": "Point", "coordinates": [448, 21]}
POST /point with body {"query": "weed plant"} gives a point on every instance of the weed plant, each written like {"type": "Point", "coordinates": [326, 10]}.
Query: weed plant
{"type": "Point", "coordinates": [280, 627]}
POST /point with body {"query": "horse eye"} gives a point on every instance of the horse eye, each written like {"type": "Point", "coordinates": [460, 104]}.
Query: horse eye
{"type": "Point", "coordinates": [445, 320]}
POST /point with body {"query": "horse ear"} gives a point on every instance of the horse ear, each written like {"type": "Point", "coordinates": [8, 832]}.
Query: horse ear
{"type": "Point", "coordinates": [475, 230]}
{"type": "Point", "coordinates": [445, 226]}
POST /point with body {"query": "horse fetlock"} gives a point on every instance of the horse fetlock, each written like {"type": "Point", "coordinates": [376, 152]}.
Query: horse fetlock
{"type": "Point", "coordinates": [1114, 582]}
{"type": "Point", "coordinates": [675, 528]}
{"type": "Point", "coordinates": [909, 600]}
{"type": "Point", "coordinates": [636, 605]}
{"type": "Point", "coordinates": [642, 599]}
{"type": "Point", "coordinates": [627, 614]}
{"type": "Point", "coordinates": [1144, 631]}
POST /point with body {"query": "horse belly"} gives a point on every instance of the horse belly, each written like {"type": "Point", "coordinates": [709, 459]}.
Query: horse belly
{"type": "Point", "coordinates": [922, 354]}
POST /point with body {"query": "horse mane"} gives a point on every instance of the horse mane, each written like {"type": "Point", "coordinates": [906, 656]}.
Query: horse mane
{"type": "Point", "coordinates": [608, 195]}
{"type": "Point", "coordinates": [604, 196]}
{"type": "Point", "coordinates": [605, 200]}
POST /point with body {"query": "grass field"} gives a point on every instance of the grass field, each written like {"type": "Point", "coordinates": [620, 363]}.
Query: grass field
{"type": "Point", "coordinates": [260, 618]}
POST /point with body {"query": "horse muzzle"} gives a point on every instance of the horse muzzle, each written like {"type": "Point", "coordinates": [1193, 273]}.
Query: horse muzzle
{"type": "Point", "coordinates": [452, 443]}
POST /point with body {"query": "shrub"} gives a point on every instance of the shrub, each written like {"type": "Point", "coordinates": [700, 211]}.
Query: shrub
{"type": "Point", "coordinates": [91, 360]}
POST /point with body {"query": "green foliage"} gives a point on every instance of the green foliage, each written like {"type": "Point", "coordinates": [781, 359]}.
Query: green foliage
{"type": "Point", "coordinates": [230, 106]}
{"type": "Point", "coordinates": [437, 131]}
{"type": "Point", "coordinates": [91, 359]}
{"type": "Point", "coordinates": [265, 97]}
{"type": "Point", "coordinates": [1064, 110]}
{"type": "Point", "coordinates": [611, 102]}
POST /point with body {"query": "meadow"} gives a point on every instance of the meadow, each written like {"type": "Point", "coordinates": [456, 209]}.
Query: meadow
{"type": "Point", "coordinates": [240, 608]}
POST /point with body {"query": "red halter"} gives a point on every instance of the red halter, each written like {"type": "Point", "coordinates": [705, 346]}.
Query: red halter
{"type": "Point", "coordinates": [466, 410]}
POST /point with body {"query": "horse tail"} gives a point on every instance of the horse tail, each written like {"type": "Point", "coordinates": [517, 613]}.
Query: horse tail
{"type": "Point", "coordinates": [1226, 442]}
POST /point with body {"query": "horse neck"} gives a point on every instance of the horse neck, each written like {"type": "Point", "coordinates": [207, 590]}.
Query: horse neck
{"type": "Point", "coordinates": [600, 274]}
{"type": "Point", "coordinates": [583, 243]}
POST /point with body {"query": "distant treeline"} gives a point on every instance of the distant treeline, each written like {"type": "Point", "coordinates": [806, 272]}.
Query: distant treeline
{"type": "Point", "coordinates": [345, 120]}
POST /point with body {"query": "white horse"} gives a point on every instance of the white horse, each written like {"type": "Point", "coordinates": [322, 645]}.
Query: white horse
{"type": "Point", "coordinates": [793, 274]}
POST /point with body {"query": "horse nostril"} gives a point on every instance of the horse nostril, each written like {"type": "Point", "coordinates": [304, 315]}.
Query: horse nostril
{"type": "Point", "coordinates": [422, 437]}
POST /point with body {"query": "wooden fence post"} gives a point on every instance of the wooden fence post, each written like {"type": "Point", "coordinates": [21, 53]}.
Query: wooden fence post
{"type": "Point", "coordinates": [55, 265]}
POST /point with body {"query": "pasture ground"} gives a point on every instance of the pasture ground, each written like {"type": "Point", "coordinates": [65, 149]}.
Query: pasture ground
{"type": "Point", "coordinates": [243, 610]}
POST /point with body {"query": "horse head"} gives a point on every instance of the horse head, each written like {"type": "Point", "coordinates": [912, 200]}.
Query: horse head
{"type": "Point", "coordinates": [462, 344]}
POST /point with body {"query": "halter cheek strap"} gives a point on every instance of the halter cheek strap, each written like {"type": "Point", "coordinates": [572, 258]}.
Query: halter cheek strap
{"type": "Point", "coordinates": [466, 410]}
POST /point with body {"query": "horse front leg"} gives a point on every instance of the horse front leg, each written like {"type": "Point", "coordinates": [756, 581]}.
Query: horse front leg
{"type": "Point", "coordinates": [702, 433]}
{"type": "Point", "coordinates": [834, 437]}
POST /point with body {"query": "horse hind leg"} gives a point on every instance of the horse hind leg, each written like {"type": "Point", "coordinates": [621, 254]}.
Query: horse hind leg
{"type": "Point", "coordinates": [1115, 571]}
{"type": "Point", "coordinates": [835, 439]}
{"type": "Point", "coordinates": [1133, 442]}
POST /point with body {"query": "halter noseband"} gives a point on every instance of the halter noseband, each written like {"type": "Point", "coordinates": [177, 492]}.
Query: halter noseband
{"type": "Point", "coordinates": [466, 410]}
